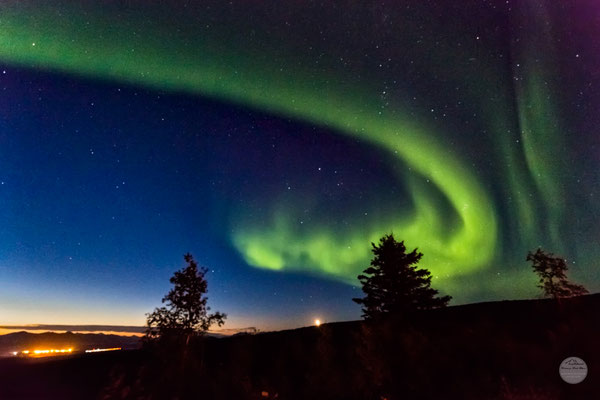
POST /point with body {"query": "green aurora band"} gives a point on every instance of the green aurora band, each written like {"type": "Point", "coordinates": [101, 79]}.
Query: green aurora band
{"type": "Point", "coordinates": [88, 40]}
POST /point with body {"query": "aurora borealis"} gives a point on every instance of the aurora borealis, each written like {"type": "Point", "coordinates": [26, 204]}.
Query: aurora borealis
{"type": "Point", "coordinates": [309, 130]}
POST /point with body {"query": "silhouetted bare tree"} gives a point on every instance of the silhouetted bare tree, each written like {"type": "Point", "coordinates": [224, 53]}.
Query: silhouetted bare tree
{"type": "Point", "coordinates": [394, 284]}
{"type": "Point", "coordinates": [186, 311]}
{"type": "Point", "coordinates": [552, 271]}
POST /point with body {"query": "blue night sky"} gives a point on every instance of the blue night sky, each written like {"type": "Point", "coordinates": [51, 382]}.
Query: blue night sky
{"type": "Point", "coordinates": [107, 186]}
{"type": "Point", "coordinates": [274, 143]}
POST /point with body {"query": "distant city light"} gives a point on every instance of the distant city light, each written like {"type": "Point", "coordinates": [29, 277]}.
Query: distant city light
{"type": "Point", "coordinates": [99, 350]}
{"type": "Point", "coordinates": [317, 322]}
{"type": "Point", "coordinates": [33, 353]}
{"type": "Point", "coordinates": [51, 351]}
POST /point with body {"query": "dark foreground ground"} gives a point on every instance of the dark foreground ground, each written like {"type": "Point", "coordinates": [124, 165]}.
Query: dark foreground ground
{"type": "Point", "coordinates": [503, 350]}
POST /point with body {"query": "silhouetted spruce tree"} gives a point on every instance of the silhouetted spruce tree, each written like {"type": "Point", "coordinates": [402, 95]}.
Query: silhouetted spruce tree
{"type": "Point", "coordinates": [185, 312]}
{"type": "Point", "coordinates": [552, 271]}
{"type": "Point", "coordinates": [394, 284]}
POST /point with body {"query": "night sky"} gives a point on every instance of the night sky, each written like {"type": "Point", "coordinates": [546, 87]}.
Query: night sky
{"type": "Point", "coordinates": [275, 142]}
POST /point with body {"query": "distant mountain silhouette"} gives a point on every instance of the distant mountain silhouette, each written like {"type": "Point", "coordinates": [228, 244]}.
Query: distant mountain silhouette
{"type": "Point", "coordinates": [77, 328]}
{"type": "Point", "coordinates": [119, 330]}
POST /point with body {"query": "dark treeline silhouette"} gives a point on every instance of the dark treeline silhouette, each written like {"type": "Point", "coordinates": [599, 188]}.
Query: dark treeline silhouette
{"type": "Point", "coordinates": [494, 351]}
{"type": "Point", "coordinates": [406, 341]}
{"type": "Point", "coordinates": [186, 310]}
{"type": "Point", "coordinates": [552, 271]}
{"type": "Point", "coordinates": [394, 284]}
